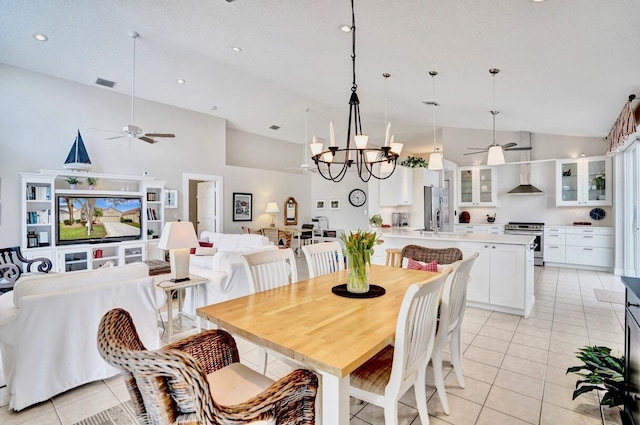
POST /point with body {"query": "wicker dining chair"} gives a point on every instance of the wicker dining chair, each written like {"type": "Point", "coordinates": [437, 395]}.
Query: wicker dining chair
{"type": "Point", "coordinates": [200, 380]}
{"type": "Point", "coordinates": [421, 253]}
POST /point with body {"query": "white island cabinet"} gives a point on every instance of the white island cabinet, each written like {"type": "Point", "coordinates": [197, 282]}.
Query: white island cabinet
{"type": "Point", "coordinates": [501, 277]}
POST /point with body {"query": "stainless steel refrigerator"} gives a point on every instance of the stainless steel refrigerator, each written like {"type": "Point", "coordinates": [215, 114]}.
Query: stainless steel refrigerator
{"type": "Point", "coordinates": [437, 209]}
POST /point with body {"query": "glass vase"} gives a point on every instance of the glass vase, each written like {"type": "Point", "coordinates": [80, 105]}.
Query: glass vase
{"type": "Point", "coordinates": [357, 273]}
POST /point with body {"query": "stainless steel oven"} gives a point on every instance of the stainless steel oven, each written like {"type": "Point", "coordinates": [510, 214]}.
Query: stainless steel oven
{"type": "Point", "coordinates": [532, 229]}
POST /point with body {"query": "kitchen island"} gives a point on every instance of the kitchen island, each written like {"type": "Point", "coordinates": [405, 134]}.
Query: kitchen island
{"type": "Point", "coordinates": [502, 276]}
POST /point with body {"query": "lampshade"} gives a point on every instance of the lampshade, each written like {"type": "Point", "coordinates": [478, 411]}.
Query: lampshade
{"type": "Point", "coordinates": [435, 161]}
{"type": "Point", "coordinates": [272, 207]}
{"type": "Point", "coordinates": [178, 235]}
{"type": "Point", "coordinates": [495, 156]}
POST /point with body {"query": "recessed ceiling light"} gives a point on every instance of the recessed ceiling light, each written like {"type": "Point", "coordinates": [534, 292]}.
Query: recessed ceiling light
{"type": "Point", "coordinates": [181, 81]}
{"type": "Point", "coordinates": [538, 1]}
{"type": "Point", "coordinates": [345, 28]}
{"type": "Point", "coordinates": [40, 37]}
{"type": "Point", "coordinates": [236, 49]}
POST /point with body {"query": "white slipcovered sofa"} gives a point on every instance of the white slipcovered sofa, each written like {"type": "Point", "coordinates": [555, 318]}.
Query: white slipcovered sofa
{"type": "Point", "coordinates": [49, 325]}
{"type": "Point", "coordinates": [224, 268]}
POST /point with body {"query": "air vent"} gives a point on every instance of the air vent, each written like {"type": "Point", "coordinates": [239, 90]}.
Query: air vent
{"type": "Point", "coordinates": [275, 127]}
{"type": "Point", "coordinates": [106, 83]}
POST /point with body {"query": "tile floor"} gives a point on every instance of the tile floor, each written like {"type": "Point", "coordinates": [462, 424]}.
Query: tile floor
{"type": "Point", "coordinates": [514, 368]}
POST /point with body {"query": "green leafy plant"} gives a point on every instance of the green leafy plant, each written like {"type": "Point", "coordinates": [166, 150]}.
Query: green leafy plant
{"type": "Point", "coordinates": [414, 162]}
{"type": "Point", "coordinates": [92, 181]}
{"type": "Point", "coordinates": [376, 220]}
{"type": "Point", "coordinates": [602, 372]}
{"type": "Point", "coordinates": [73, 180]}
{"type": "Point", "coordinates": [599, 182]}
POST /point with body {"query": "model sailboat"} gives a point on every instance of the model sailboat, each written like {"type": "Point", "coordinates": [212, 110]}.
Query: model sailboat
{"type": "Point", "coordinates": [78, 158]}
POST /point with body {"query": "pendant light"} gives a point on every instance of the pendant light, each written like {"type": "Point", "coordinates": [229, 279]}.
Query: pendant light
{"type": "Point", "coordinates": [334, 162]}
{"type": "Point", "coordinates": [435, 160]}
{"type": "Point", "coordinates": [496, 154]}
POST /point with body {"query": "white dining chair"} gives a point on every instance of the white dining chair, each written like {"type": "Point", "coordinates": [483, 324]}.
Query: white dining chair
{"type": "Point", "coordinates": [323, 258]}
{"type": "Point", "coordinates": [269, 270]}
{"type": "Point", "coordinates": [390, 373]}
{"type": "Point", "coordinates": [452, 307]}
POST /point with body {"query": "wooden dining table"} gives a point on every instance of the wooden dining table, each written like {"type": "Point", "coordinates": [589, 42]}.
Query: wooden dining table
{"type": "Point", "coordinates": [327, 333]}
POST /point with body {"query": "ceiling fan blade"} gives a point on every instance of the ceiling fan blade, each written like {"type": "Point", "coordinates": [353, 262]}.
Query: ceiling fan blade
{"type": "Point", "coordinates": [116, 137]}
{"type": "Point", "coordinates": [474, 153]}
{"type": "Point", "coordinates": [147, 139]}
{"type": "Point", "coordinates": [479, 149]}
{"type": "Point", "coordinates": [159, 135]}
{"type": "Point", "coordinates": [525, 148]}
{"type": "Point", "coordinates": [509, 145]}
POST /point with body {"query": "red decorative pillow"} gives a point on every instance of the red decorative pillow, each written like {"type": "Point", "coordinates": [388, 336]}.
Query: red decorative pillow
{"type": "Point", "coordinates": [203, 244]}
{"type": "Point", "coordinates": [419, 265]}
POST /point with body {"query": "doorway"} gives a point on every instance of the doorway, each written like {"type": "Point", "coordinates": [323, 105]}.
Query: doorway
{"type": "Point", "coordinates": [203, 201]}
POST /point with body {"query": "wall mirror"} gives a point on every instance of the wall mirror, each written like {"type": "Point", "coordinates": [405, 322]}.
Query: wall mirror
{"type": "Point", "coordinates": [290, 212]}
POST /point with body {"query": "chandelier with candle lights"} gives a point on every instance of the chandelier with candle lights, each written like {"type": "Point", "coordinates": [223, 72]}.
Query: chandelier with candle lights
{"type": "Point", "coordinates": [334, 162]}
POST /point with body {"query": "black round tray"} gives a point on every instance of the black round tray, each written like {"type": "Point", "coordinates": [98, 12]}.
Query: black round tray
{"type": "Point", "coordinates": [374, 291]}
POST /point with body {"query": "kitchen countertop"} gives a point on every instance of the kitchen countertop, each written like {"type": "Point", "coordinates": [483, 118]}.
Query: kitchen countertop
{"type": "Point", "coordinates": [458, 237]}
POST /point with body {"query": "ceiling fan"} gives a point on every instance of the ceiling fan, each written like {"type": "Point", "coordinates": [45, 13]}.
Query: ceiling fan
{"type": "Point", "coordinates": [132, 130]}
{"type": "Point", "coordinates": [511, 146]}
{"type": "Point", "coordinates": [304, 167]}
{"type": "Point", "coordinates": [494, 147]}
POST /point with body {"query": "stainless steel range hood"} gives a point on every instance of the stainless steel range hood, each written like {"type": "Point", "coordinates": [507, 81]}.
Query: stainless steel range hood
{"type": "Point", "coordinates": [525, 187]}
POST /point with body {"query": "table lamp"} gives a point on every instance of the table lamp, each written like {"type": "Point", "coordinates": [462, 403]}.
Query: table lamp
{"type": "Point", "coordinates": [178, 237]}
{"type": "Point", "coordinates": [272, 208]}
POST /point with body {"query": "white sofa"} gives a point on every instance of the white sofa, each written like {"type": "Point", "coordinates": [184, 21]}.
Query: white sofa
{"type": "Point", "coordinates": [49, 325]}
{"type": "Point", "coordinates": [226, 273]}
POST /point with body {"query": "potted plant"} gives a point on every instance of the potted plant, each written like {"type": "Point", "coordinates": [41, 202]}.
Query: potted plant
{"type": "Point", "coordinates": [73, 181]}
{"type": "Point", "coordinates": [414, 162]}
{"type": "Point", "coordinates": [92, 182]}
{"type": "Point", "coordinates": [599, 182]}
{"type": "Point", "coordinates": [376, 220]}
{"type": "Point", "coordinates": [601, 371]}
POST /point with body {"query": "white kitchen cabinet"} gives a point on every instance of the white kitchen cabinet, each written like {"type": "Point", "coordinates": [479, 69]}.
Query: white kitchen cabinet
{"type": "Point", "coordinates": [583, 182]}
{"type": "Point", "coordinates": [494, 229]}
{"type": "Point", "coordinates": [397, 189]}
{"type": "Point", "coordinates": [477, 187]}
{"type": "Point", "coordinates": [554, 245]}
{"type": "Point", "coordinates": [498, 276]}
{"type": "Point", "coordinates": [590, 247]}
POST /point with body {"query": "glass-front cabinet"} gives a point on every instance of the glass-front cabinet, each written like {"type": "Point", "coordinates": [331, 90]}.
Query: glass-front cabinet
{"type": "Point", "coordinates": [583, 182]}
{"type": "Point", "coordinates": [477, 187]}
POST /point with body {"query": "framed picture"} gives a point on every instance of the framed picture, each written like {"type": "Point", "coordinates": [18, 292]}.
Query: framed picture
{"type": "Point", "coordinates": [320, 205]}
{"type": "Point", "coordinates": [334, 204]}
{"type": "Point", "coordinates": [242, 206]}
{"type": "Point", "coordinates": [171, 199]}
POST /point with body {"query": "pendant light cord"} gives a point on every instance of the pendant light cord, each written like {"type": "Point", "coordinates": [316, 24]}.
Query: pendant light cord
{"type": "Point", "coordinates": [354, 86]}
{"type": "Point", "coordinates": [134, 35]}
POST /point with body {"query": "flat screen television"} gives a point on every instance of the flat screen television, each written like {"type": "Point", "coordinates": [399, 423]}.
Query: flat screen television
{"type": "Point", "coordinates": [113, 219]}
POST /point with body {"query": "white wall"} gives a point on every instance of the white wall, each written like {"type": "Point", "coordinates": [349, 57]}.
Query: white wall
{"type": "Point", "coordinates": [348, 216]}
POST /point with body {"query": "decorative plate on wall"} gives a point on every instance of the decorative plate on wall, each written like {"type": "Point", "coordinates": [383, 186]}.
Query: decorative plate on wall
{"type": "Point", "coordinates": [597, 214]}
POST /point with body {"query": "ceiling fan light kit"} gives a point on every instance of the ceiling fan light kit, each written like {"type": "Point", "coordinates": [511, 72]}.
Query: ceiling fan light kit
{"type": "Point", "coordinates": [365, 158]}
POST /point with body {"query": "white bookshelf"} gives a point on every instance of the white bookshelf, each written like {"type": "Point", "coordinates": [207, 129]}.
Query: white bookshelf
{"type": "Point", "coordinates": [40, 192]}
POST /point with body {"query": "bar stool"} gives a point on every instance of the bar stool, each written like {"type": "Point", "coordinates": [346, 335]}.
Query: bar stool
{"type": "Point", "coordinates": [393, 257]}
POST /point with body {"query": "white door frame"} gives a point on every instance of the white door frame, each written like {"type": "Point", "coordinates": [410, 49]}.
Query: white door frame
{"type": "Point", "coordinates": [186, 177]}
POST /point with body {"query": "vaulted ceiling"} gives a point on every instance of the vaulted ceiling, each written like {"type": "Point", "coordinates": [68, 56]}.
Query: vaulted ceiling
{"type": "Point", "coordinates": [567, 66]}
